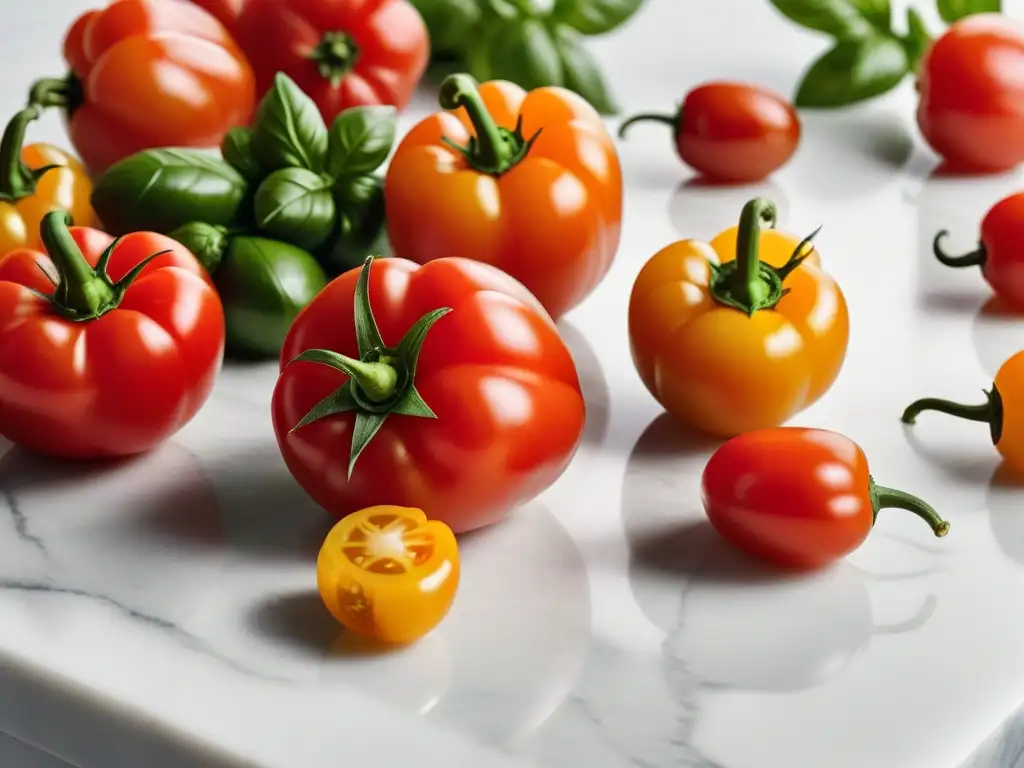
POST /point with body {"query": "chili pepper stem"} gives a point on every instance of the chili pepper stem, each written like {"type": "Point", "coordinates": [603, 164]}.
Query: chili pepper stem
{"type": "Point", "coordinates": [80, 288]}
{"type": "Point", "coordinates": [17, 180]}
{"type": "Point", "coordinates": [670, 120]}
{"type": "Point", "coordinates": [990, 412]}
{"type": "Point", "coordinates": [335, 56]}
{"type": "Point", "coordinates": [891, 498]}
{"type": "Point", "coordinates": [749, 287]}
{"type": "Point", "coordinates": [494, 150]}
{"type": "Point", "coordinates": [64, 92]}
{"type": "Point", "coordinates": [975, 258]}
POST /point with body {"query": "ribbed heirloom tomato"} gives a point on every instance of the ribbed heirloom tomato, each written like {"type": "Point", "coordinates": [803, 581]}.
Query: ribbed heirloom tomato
{"type": "Point", "coordinates": [107, 347]}
{"type": "Point", "coordinates": [444, 387]}
{"type": "Point", "coordinates": [148, 73]}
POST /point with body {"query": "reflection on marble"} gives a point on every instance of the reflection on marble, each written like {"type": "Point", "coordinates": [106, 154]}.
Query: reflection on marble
{"type": "Point", "coordinates": [700, 209]}
{"type": "Point", "coordinates": [997, 334]}
{"type": "Point", "coordinates": [1005, 504]}
{"type": "Point", "coordinates": [592, 382]}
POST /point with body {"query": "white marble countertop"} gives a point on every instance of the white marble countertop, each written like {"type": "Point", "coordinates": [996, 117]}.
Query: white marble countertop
{"type": "Point", "coordinates": [163, 613]}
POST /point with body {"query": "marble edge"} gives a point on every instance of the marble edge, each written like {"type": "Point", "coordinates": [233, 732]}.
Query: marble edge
{"type": "Point", "coordinates": [1004, 747]}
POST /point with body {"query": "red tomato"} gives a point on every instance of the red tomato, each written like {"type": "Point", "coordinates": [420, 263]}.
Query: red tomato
{"type": "Point", "coordinates": [149, 73]}
{"type": "Point", "coordinates": [1000, 253]}
{"type": "Point", "coordinates": [104, 368]}
{"type": "Point", "coordinates": [225, 11]}
{"type": "Point", "coordinates": [798, 498]}
{"type": "Point", "coordinates": [342, 53]}
{"type": "Point", "coordinates": [503, 412]}
{"type": "Point", "coordinates": [731, 132]}
{"type": "Point", "coordinates": [971, 109]}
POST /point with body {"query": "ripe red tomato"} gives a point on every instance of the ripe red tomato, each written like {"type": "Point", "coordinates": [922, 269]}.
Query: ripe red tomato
{"type": "Point", "coordinates": [225, 11]}
{"type": "Point", "coordinates": [342, 53]}
{"type": "Point", "coordinates": [971, 109]}
{"type": "Point", "coordinates": [486, 415]}
{"type": "Point", "coordinates": [731, 132]}
{"type": "Point", "coordinates": [798, 498]}
{"type": "Point", "coordinates": [118, 359]}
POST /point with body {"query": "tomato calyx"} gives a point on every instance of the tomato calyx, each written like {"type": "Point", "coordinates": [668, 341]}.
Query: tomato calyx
{"type": "Point", "coordinates": [381, 382]}
{"type": "Point", "coordinates": [975, 258]}
{"type": "Point", "coordinates": [334, 56]}
{"type": "Point", "coordinates": [891, 498]}
{"type": "Point", "coordinates": [493, 150]}
{"type": "Point", "coordinates": [650, 117]}
{"type": "Point", "coordinates": [65, 92]}
{"type": "Point", "coordinates": [990, 412]}
{"type": "Point", "coordinates": [81, 292]}
{"type": "Point", "coordinates": [17, 180]}
{"type": "Point", "coordinates": [746, 283]}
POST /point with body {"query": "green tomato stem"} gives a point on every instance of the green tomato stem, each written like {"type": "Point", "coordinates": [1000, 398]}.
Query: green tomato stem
{"type": "Point", "coordinates": [17, 180]}
{"type": "Point", "coordinates": [891, 498]}
{"type": "Point", "coordinates": [80, 288]}
{"type": "Point", "coordinates": [63, 92]}
{"type": "Point", "coordinates": [648, 117]}
{"type": "Point", "coordinates": [975, 258]}
{"type": "Point", "coordinates": [494, 150]}
{"type": "Point", "coordinates": [377, 381]}
{"type": "Point", "coordinates": [335, 56]}
{"type": "Point", "coordinates": [989, 412]}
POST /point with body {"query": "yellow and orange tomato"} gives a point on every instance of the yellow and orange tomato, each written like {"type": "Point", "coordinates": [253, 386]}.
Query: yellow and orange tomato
{"type": "Point", "coordinates": [389, 573]}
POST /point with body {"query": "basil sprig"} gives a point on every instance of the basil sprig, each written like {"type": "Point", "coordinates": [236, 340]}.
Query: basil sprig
{"type": "Point", "coordinates": [867, 57]}
{"type": "Point", "coordinates": [520, 41]}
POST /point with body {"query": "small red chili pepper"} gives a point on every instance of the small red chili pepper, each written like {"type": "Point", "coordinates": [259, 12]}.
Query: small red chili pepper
{"type": "Point", "coordinates": [731, 132]}
{"type": "Point", "coordinates": [1000, 252]}
{"type": "Point", "coordinates": [798, 498]}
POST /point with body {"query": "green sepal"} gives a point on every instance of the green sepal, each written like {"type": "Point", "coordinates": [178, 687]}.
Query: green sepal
{"type": "Point", "coordinates": [368, 338]}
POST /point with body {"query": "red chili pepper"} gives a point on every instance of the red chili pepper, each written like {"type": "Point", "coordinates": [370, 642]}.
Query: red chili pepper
{"type": "Point", "coordinates": [1000, 252]}
{"type": "Point", "coordinates": [731, 132]}
{"type": "Point", "coordinates": [798, 498]}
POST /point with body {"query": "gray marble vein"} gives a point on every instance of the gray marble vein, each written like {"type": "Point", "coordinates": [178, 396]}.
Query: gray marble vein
{"type": "Point", "coordinates": [21, 527]}
{"type": "Point", "coordinates": [1004, 748]}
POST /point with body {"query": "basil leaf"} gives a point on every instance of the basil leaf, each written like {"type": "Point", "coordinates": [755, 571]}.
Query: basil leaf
{"type": "Point", "coordinates": [840, 18]}
{"type": "Point", "coordinates": [237, 151]}
{"type": "Point", "coordinates": [448, 21]}
{"type": "Point", "coordinates": [594, 17]}
{"type": "Point", "coordinates": [953, 10]}
{"type": "Point", "coordinates": [296, 206]}
{"type": "Point", "coordinates": [361, 230]}
{"type": "Point", "coordinates": [581, 73]}
{"type": "Point", "coordinates": [289, 131]}
{"type": "Point", "coordinates": [853, 71]}
{"type": "Point", "coordinates": [361, 139]}
{"type": "Point", "coordinates": [525, 53]}
{"type": "Point", "coordinates": [206, 242]}
{"type": "Point", "coordinates": [917, 40]}
{"type": "Point", "coordinates": [159, 190]}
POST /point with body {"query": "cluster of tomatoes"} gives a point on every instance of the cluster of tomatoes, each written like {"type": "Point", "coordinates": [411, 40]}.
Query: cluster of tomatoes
{"type": "Point", "coordinates": [423, 395]}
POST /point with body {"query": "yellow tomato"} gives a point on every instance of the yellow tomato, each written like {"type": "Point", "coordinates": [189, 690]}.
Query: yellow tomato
{"type": "Point", "coordinates": [389, 573]}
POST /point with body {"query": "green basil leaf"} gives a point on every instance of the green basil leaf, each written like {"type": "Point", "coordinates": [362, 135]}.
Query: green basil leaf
{"type": "Point", "coordinates": [581, 73]}
{"type": "Point", "coordinates": [361, 139]}
{"type": "Point", "coordinates": [295, 205]}
{"type": "Point", "coordinates": [525, 53]}
{"type": "Point", "coordinates": [206, 242]}
{"type": "Point", "coordinates": [594, 17]}
{"type": "Point", "coordinates": [361, 231]}
{"type": "Point", "coordinates": [449, 22]}
{"type": "Point", "coordinates": [263, 285]}
{"type": "Point", "coordinates": [954, 10]}
{"type": "Point", "coordinates": [853, 71]}
{"type": "Point", "coordinates": [289, 131]}
{"type": "Point", "coordinates": [842, 19]}
{"type": "Point", "coordinates": [917, 40]}
{"type": "Point", "coordinates": [237, 152]}
{"type": "Point", "coordinates": [159, 190]}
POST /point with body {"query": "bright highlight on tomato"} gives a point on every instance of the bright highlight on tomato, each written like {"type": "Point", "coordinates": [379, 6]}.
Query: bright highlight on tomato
{"type": "Point", "coordinates": [388, 573]}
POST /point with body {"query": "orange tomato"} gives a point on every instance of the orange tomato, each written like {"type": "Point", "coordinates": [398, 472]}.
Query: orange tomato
{"type": "Point", "coordinates": [527, 182]}
{"type": "Point", "coordinates": [34, 181]}
{"type": "Point", "coordinates": [1001, 411]}
{"type": "Point", "coordinates": [149, 73]}
{"type": "Point", "coordinates": [388, 573]}
{"type": "Point", "coordinates": [727, 344]}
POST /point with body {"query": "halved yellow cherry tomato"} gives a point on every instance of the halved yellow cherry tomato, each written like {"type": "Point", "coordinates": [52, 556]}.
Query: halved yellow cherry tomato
{"type": "Point", "coordinates": [389, 573]}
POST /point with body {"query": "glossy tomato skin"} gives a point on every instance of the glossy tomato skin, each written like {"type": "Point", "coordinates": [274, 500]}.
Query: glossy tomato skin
{"type": "Point", "coordinates": [1002, 236]}
{"type": "Point", "coordinates": [154, 73]}
{"type": "Point", "coordinates": [388, 41]}
{"type": "Point", "coordinates": [388, 573]}
{"type": "Point", "coordinates": [732, 132]}
{"type": "Point", "coordinates": [225, 11]}
{"type": "Point", "coordinates": [971, 108]}
{"type": "Point", "coordinates": [795, 497]}
{"type": "Point", "coordinates": [502, 383]}
{"type": "Point", "coordinates": [570, 183]}
{"type": "Point", "coordinates": [122, 383]}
